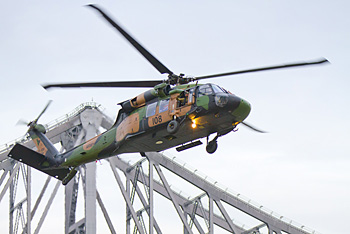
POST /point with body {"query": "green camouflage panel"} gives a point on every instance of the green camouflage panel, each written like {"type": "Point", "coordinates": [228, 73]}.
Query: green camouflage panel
{"type": "Point", "coordinates": [91, 150]}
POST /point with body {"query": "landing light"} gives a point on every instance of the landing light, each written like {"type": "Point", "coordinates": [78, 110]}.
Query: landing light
{"type": "Point", "coordinates": [194, 125]}
{"type": "Point", "coordinates": [159, 142]}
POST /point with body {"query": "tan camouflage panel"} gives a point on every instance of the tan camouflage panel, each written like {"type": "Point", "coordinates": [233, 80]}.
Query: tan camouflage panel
{"type": "Point", "coordinates": [138, 101]}
{"type": "Point", "coordinates": [159, 118]}
{"type": "Point", "coordinates": [41, 148]}
{"type": "Point", "coordinates": [130, 124]}
{"type": "Point", "coordinates": [172, 104]}
{"type": "Point", "coordinates": [90, 143]}
{"type": "Point", "coordinates": [178, 111]}
{"type": "Point", "coordinates": [182, 110]}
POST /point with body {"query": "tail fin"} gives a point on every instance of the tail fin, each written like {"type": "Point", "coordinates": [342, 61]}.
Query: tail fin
{"type": "Point", "coordinates": [45, 159]}
{"type": "Point", "coordinates": [42, 143]}
{"type": "Point", "coordinates": [38, 161]}
{"type": "Point", "coordinates": [37, 133]}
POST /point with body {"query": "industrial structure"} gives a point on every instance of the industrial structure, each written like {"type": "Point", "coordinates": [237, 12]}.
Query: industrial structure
{"type": "Point", "coordinates": [200, 212]}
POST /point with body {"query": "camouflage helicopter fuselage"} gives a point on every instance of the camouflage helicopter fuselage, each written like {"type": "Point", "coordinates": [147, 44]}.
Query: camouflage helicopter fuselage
{"type": "Point", "coordinates": [144, 129]}
{"type": "Point", "coordinates": [156, 120]}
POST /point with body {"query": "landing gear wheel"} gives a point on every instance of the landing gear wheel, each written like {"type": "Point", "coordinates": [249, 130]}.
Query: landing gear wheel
{"type": "Point", "coordinates": [173, 127]}
{"type": "Point", "coordinates": [211, 147]}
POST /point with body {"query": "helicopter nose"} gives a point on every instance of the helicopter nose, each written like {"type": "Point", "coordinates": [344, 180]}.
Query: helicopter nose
{"type": "Point", "coordinates": [239, 108]}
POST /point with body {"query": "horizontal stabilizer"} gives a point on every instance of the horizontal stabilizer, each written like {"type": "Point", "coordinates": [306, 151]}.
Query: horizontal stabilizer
{"type": "Point", "coordinates": [36, 160]}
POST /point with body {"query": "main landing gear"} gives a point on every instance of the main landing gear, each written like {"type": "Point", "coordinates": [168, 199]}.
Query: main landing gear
{"type": "Point", "coordinates": [173, 126]}
{"type": "Point", "coordinates": [212, 145]}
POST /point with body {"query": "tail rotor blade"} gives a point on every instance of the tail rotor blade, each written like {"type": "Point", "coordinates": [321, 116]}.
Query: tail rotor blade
{"type": "Point", "coordinates": [22, 122]}
{"type": "Point", "coordinates": [43, 111]}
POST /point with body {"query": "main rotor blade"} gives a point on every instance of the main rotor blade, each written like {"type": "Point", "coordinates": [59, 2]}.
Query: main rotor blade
{"type": "Point", "coordinates": [155, 62]}
{"type": "Point", "coordinates": [121, 84]}
{"type": "Point", "coordinates": [252, 128]}
{"type": "Point", "coordinates": [323, 60]}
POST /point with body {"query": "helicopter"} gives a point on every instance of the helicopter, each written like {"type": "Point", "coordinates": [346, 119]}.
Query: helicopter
{"type": "Point", "coordinates": [176, 112]}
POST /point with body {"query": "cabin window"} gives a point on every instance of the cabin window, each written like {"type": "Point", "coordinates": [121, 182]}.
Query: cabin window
{"type": "Point", "coordinates": [163, 105]}
{"type": "Point", "coordinates": [151, 109]}
{"type": "Point", "coordinates": [204, 90]}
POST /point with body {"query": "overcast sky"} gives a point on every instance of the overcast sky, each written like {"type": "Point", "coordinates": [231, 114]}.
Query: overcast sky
{"type": "Point", "coordinates": [300, 169]}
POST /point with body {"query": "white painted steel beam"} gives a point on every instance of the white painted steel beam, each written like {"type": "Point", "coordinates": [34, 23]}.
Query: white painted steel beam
{"type": "Point", "coordinates": [126, 198]}
{"type": "Point", "coordinates": [3, 176]}
{"type": "Point", "coordinates": [105, 214]}
{"type": "Point", "coordinates": [186, 204]}
{"type": "Point", "coordinates": [9, 181]}
{"type": "Point", "coordinates": [227, 217]}
{"type": "Point", "coordinates": [47, 207]}
{"type": "Point", "coordinates": [211, 215]}
{"type": "Point", "coordinates": [222, 195]}
{"type": "Point", "coordinates": [173, 199]}
{"type": "Point", "coordinates": [29, 199]}
{"type": "Point", "coordinates": [40, 196]}
{"type": "Point", "coordinates": [145, 206]}
{"type": "Point", "coordinates": [150, 199]}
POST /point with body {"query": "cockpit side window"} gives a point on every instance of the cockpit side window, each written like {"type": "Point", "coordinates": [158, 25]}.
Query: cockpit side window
{"type": "Point", "coordinates": [204, 90]}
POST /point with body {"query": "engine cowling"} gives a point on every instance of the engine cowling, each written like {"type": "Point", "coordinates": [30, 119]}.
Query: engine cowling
{"type": "Point", "coordinates": [161, 90]}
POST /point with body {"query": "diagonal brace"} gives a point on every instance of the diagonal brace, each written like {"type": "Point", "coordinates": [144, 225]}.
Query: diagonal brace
{"type": "Point", "coordinates": [126, 197]}
{"type": "Point", "coordinates": [173, 199]}
{"type": "Point", "coordinates": [226, 216]}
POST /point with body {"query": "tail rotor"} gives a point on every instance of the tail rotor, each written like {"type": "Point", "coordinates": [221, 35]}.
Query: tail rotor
{"type": "Point", "coordinates": [34, 124]}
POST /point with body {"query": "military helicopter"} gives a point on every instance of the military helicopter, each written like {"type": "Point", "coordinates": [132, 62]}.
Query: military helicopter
{"type": "Point", "coordinates": [175, 112]}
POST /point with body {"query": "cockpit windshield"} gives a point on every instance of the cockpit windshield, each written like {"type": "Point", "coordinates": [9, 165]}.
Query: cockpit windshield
{"type": "Point", "coordinates": [208, 89]}
{"type": "Point", "coordinates": [204, 90]}
{"type": "Point", "coordinates": [217, 89]}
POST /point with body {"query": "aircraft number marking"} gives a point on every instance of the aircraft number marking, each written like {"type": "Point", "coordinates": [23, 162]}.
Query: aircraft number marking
{"type": "Point", "coordinates": [157, 120]}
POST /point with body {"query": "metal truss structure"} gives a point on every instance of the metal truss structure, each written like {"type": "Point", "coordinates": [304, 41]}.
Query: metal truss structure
{"type": "Point", "coordinates": [138, 183]}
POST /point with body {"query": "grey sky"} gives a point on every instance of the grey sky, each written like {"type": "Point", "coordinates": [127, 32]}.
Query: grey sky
{"type": "Point", "coordinates": [300, 169]}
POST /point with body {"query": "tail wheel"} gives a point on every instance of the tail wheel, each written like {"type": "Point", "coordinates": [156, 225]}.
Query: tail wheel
{"type": "Point", "coordinates": [173, 127]}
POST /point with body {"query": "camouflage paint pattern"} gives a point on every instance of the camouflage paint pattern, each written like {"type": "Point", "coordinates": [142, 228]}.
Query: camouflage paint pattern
{"type": "Point", "coordinates": [135, 130]}
{"type": "Point", "coordinates": [41, 148]}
